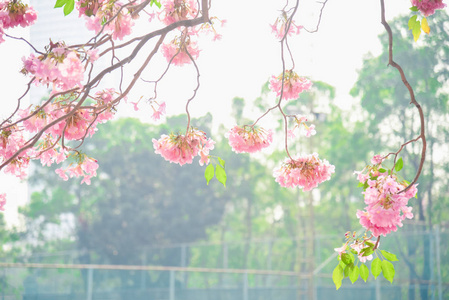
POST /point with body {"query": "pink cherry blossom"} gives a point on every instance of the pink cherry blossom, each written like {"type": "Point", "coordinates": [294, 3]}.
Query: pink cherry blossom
{"type": "Point", "coordinates": [386, 204]}
{"type": "Point", "coordinates": [428, 7]}
{"type": "Point", "coordinates": [181, 149]}
{"type": "Point", "coordinates": [310, 130]}
{"type": "Point", "coordinates": [178, 10]}
{"type": "Point", "coordinates": [377, 159]}
{"type": "Point", "coordinates": [305, 172]}
{"type": "Point", "coordinates": [159, 112]}
{"type": "Point", "coordinates": [279, 27]}
{"type": "Point", "coordinates": [293, 85]}
{"type": "Point", "coordinates": [178, 52]}
{"type": "Point", "coordinates": [85, 167]}
{"type": "Point", "coordinates": [249, 139]}
{"type": "Point", "coordinates": [16, 13]}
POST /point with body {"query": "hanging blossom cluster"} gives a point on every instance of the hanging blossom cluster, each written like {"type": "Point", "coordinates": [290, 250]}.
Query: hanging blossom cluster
{"type": "Point", "coordinates": [183, 48]}
{"type": "Point", "coordinates": [249, 139]}
{"type": "Point", "coordinates": [292, 86]}
{"type": "Point", "coordinates": [61, 68]}
{"type": "Point", "coordinates": [181, 149]}
{"type": "Point", "coordinates": [113, 15]}
{"type": "Point", "coordinates": [303, 171]}
{"type": "Point", "coordinates": [386, 203]}
{"type": "Point", "coordinates": [15, 13]}
{"type": "Point", "coordinates": [428, 7]}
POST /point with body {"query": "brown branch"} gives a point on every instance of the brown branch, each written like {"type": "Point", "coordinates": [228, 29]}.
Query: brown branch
{"type": "Point", "coordinates": [413, 101]}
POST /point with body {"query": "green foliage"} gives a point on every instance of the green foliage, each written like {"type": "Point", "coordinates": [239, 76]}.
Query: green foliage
{"type": "Point", "coordinates": [364, 272]}
{"type": "Point", "coordinates": [388, 270]}
{"type": "Point", "coordinates": [388, 255]}
{"type": "Point", "coordinates": [399, 165]}
{"type": "Point", "coordinates": [376, 268]}
{"type": "Point", "coordinates": [337, 276]}
{"type": "Point", "coordinates": [68, 5]}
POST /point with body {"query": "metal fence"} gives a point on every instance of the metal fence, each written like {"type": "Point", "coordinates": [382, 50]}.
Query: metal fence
{"type": "Point", "coordinates": [214, 271]}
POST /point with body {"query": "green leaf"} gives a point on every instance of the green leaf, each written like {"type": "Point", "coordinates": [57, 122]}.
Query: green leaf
{"type": "Point", "coordinates": [388, 270]}
{"type": "Point", "coordinates": [354, 274]}
{"type": "Point", "coordinates": [376, 268]}
{"type": "Point", "coordinates": [69, 6]}
{"type": "Point", "coordinates": [158, 4]}
{"type": "Point", "coordinates": [221, 161]}
{"type": "Point", "coordinates": [361, 184]}
{"type": "Point", "coordinates": [337, 276]}
{"type": "Point", "coordinates": [348, 269]}
{"type": "Point", "coordinates": [399, 164]}
{"type": "Point", "coordinates": [369, 244]}
{"type": "Point", "coordinates": [367, 251]}
{"type": "Point", "coordinates": [60, 3]}
{"type": "Point", "coordinates": [411, 22]}
{"type": "Point", "coordinates": [347, 258]}
{"type": "Point", "coordinates": [221, 174]}
{"type": "Point", "coordinates": [389, 256]}
{"type": "Point", "coordinates": [364, 272]}
{"type": "Point", "coordinates": [209, 173]}
{"type": "Point", "coordinates": [414, 8]}
{"type": "Point", "coordinates": [416, 30]}
{"type": "Point", "coordinates": [381, 170]}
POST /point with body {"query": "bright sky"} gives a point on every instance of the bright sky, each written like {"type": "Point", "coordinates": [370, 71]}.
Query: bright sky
{"type": "Point", "coordinates": [241, 62]}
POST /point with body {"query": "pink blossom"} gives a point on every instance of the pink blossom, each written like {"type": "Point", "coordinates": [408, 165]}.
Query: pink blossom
{"type": "Point", "coordinates": [310, 130]}
{"type": "Point", "coordinates": [86, 168]}
{"type": "Point", "coordinates": [428, 7]}
{"type": "Point", "coordinates": [341, 250]}
{"type": "Point", "coordinates": [181, 149]}
{"type": "Point", "coordinates": [377, 159]}
{"type": "Point", "coordinates": [93, 55]}
{"type": "Point", "coordinates": [158, 113]}
{"type": "Point", "coordinates": [249, 139]}
{"type": "Point", "coordinates": [386, 205]}
{"type": "Point", "coordinates": [293, 85]}
{"type": "Point", "coordinates": [178, 10]}
{"type": "Point", "coordinates": [305, 172]}
{"type": "Point", "coordinates": [178, 52]}
{"type": "Point", "coordinates": [2, 201]}
{"type": "Point", "coordinates": [16, 13]}
{"type": "Point", "coordinates": [280, 26]}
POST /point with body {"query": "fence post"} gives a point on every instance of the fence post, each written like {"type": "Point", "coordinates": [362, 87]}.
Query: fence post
{"type": "Point", "coordinates": [245, 286]}
{"type": "Point", "coordinates": [378, 293]}
{"type": "Point", "coordinates": [90, 277]}
{"type": "Point", "coordinates": [172, 285]}
{"type": "Point", "coordinates": [143, 278]}
{"type": "Point", "coordinates": [438, 261]}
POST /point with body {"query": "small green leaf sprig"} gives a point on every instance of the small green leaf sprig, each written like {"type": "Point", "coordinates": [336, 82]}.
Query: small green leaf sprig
{"type": "Point", "coordinates": [219, 170]}
{"type": "Point", "coordinates": [364, 249]}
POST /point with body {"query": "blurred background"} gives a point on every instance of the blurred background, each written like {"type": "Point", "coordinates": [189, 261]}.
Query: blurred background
{"type": "Point", "coordinates": [148, 229]}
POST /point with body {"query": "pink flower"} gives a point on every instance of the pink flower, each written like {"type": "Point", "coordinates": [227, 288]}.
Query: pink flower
{"type": "Point", "coordinates": [341, 250]}
{"type": "Point", "coordinates": [86, 167]}
{"type": "Point", "coordinates": [377, 159]}
{"type": "Point", "coordinates": [181, 149]}
{"type": "Point", "coordinates": [2, 201]}
{"type": "Point", "coordinates": [178, 10]}
{"type": "Point", "coordinates": [280, 26]}
{"type": "Point", "coordinates": [176, 52]}
{"type": "Point", "coordinates": [305, 172]}
{"type": "Point", "coordinates": [158, 113]}
{"type": "Point", "coordinates": [15, 13]}
{"type": "Point", "coordinates": [428, 7]}
{"type": "Point", "coordinates": [310, 130]}
{"type": "Point", "coordinates": [293, 85]}
{"type": "Point", "coordinates": [249, 139]}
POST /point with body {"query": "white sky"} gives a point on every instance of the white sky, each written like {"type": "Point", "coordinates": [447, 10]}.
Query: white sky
{"type": "Point", "coordinates": [241, 62]}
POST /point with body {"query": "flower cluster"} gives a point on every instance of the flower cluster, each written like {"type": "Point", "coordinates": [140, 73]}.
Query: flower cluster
{"type": "Point", "coordinates": [11, 141]}
{"type": "Point", "coordinates": [428, 7]}
{"type": "Point", "coordinates": [85, 167]}
{"type": "Point", "coordinates": [112, 15]}
{"type": "Point", "coordinates": [279, 27]}
{"type": "Point", "coordinates": [15, 13]}
{"type": "Point", "coordinates": [61, 68]}
{"type": "Point", "coordinates": [386, 203]}
{"type": "Point", "coordinates": [179, 49]}
{"type": "Point", "coordinates": [305, 172]}
{"type": "Point", "coordinates": [159, 111]}
{"type": "Point", "coordinates": [178, 10]}
{"type": "Point", "coordinates": [293, 85]}
{"type": "Point", "coordinates": [181, 149]}
{"type": "Point", "coordinates": [249, 139]}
